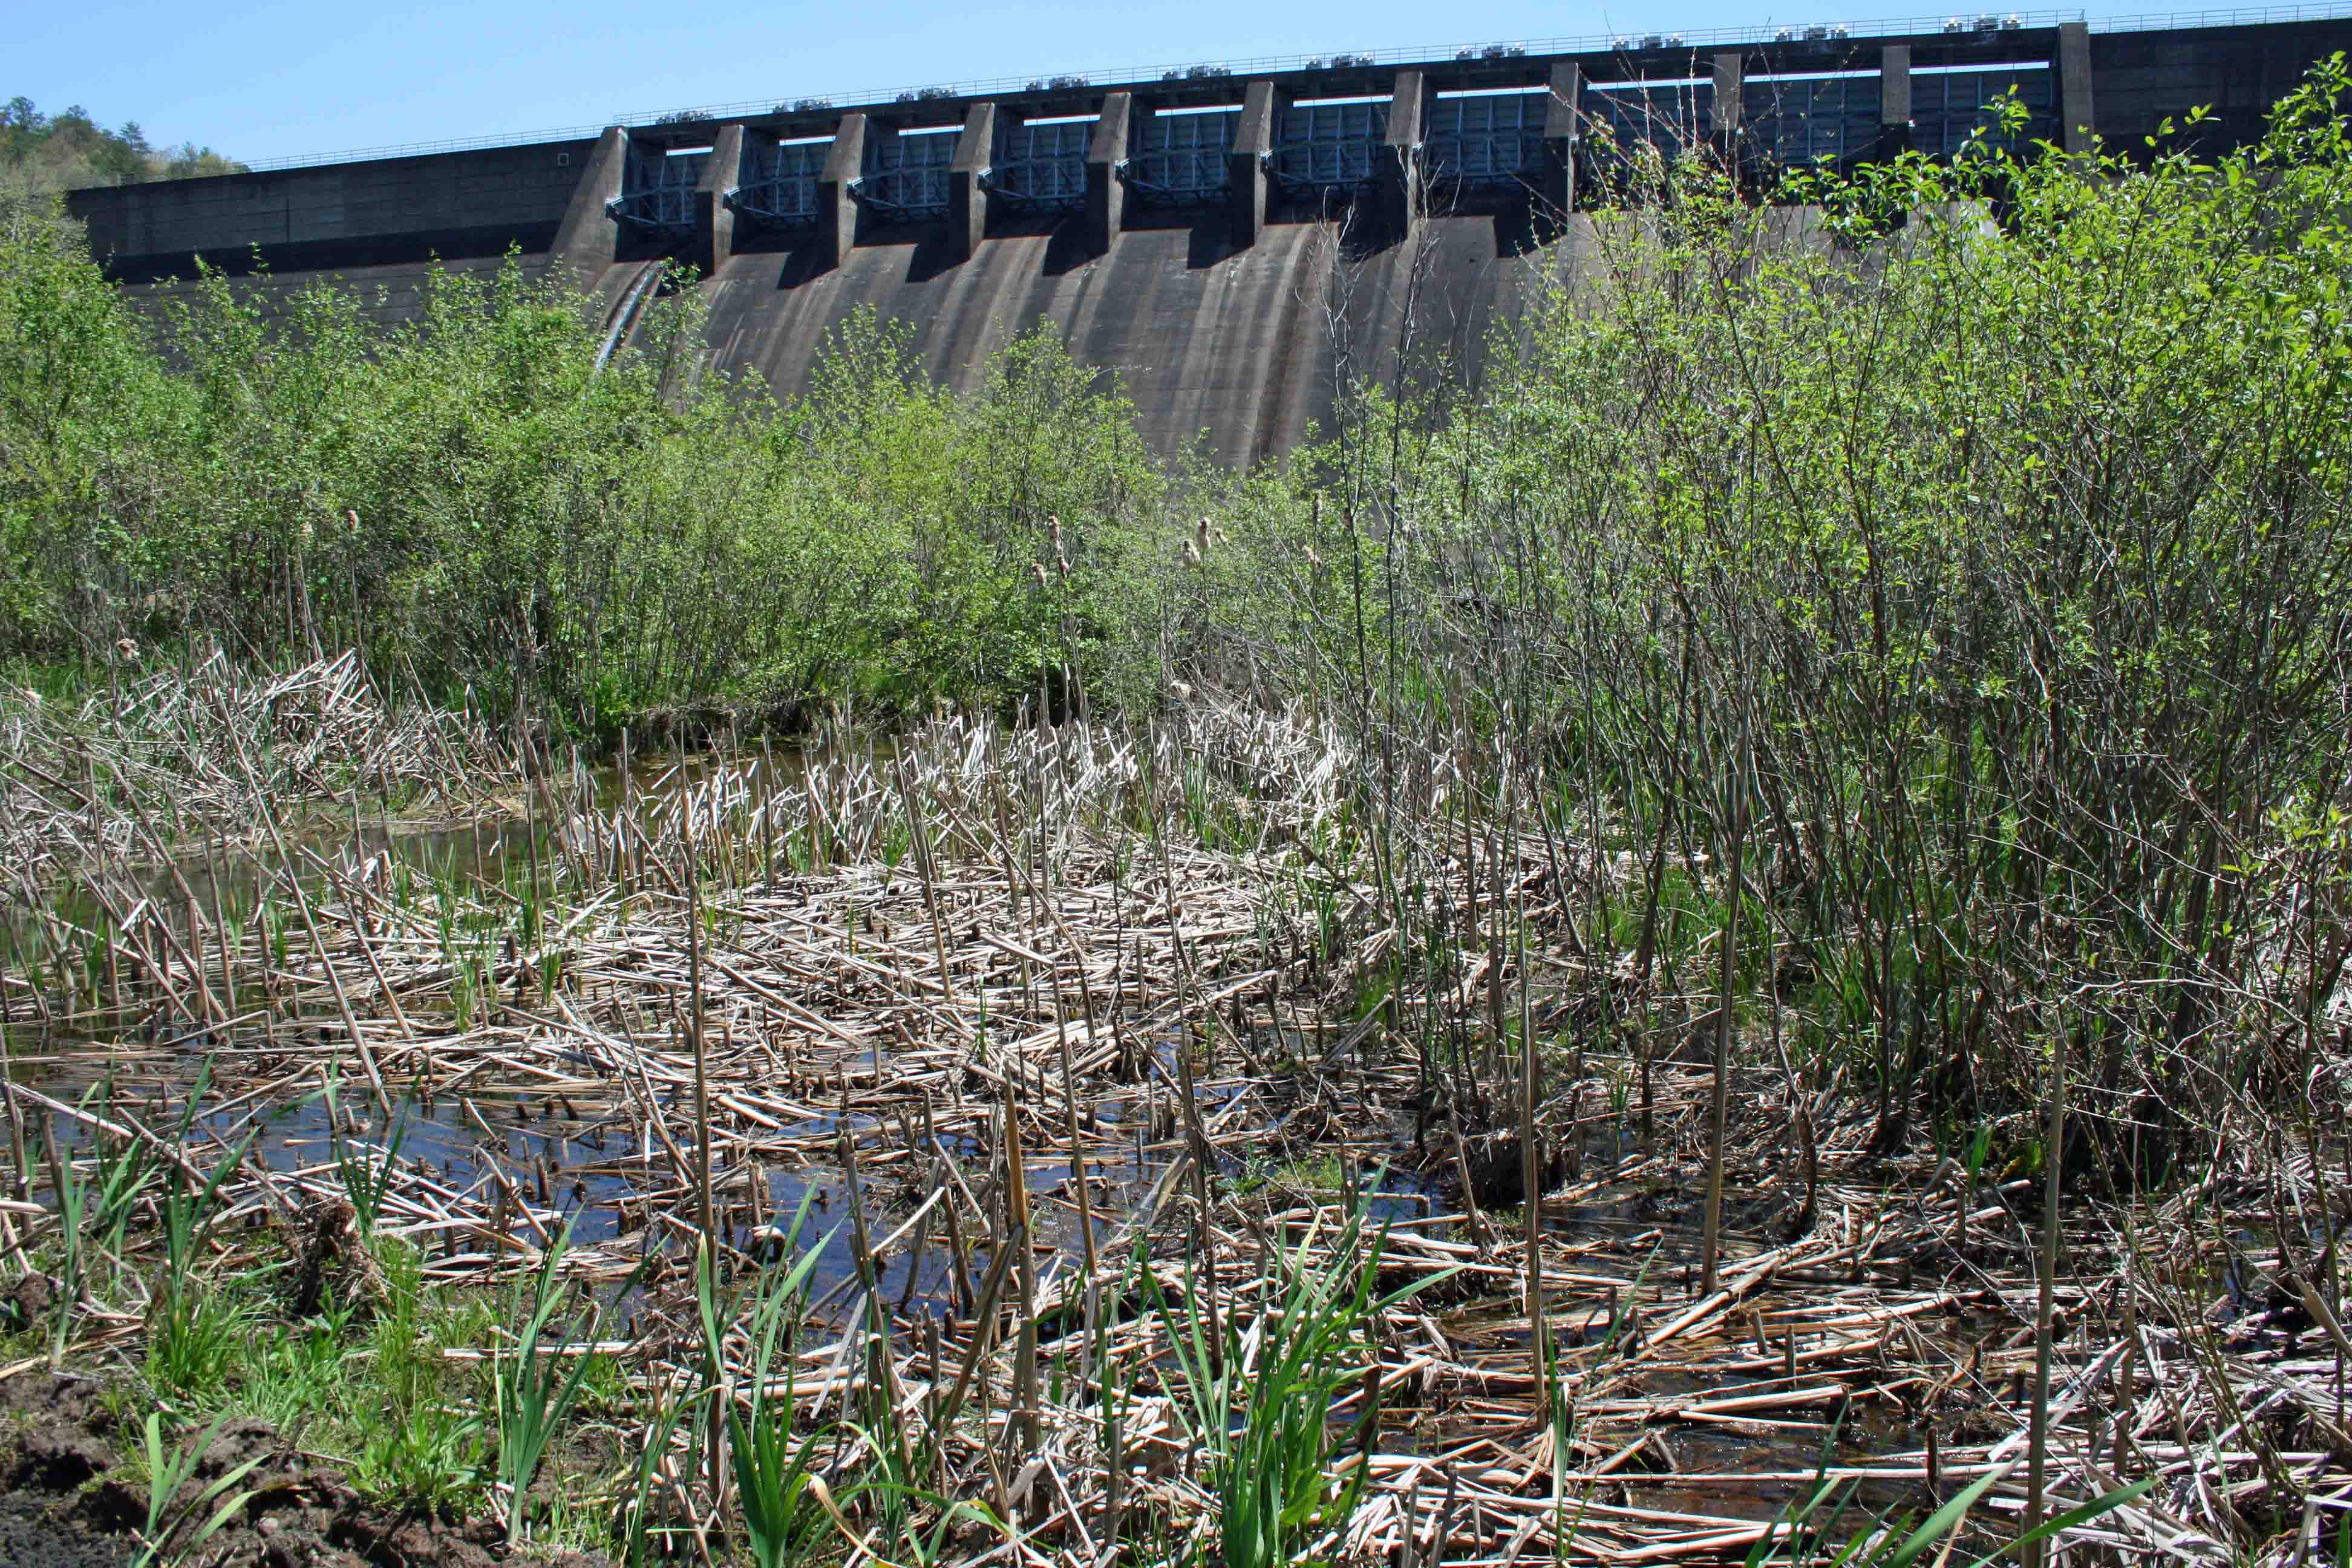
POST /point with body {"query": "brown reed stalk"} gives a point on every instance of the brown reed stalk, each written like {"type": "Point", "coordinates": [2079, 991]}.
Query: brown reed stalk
{"type": "Point", "coordinates": [220, 911]}
{"type": "Point", "coordinates": [2046, 1257]}
{"type": "Point", "coordinates": [1710, 1262]}
{"type": "Point", "coordinates": [716, 1441]}
{"type": "Point", "coordinates": [1531, 1168]}
{"type": "Point", "coordinates": [919, 845]}
{"type": "Point", "coordinates": [20, 1178]}
{"type": "Point", "coordinates": [1017, 1215]}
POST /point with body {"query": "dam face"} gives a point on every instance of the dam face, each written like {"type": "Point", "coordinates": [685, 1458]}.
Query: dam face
{"type": "Point", "coordinates": [1235, 244]}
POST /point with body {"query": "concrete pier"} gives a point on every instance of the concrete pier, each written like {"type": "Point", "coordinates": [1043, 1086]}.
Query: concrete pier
{"type": "Point", "coordinates": [714, 221]}
{"type": "Point", "coordinates": [1724, 107]}
{"type": "Point", "coordinates": [968, 198]}
{"type": "Point", "coordinates": [2080, 126]}
{"type": "Point", "coordinates": [1106, 196]}
{"type": "Point", "coordinates": [1252, 144]}
{"type": "Point", "coordinates": [837, 209]}
{"type": "Point", "coordinates": [586, 242]}
{"type": "Point", "coordinates": [1893, 100]}
{"type": "Point", "coordinates": [1401, 183]}
{"type": "Point", "coordinates": [1563, 130]}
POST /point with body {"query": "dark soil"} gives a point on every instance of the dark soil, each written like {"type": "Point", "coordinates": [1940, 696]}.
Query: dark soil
{"type": "Point", "coordinates": [68, 1501]}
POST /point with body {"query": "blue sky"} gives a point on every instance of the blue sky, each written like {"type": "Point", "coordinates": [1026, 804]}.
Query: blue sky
{"type": "Point", "coordinates": [270, 78]}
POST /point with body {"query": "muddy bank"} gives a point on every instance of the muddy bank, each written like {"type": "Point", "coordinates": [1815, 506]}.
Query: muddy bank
{"type": "Point", "coordinates": [71, 1498]}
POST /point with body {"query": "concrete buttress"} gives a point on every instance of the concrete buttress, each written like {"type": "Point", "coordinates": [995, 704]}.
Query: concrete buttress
{"type": "Point", "coordinates": [1106, 196]}
{"type": "Point", "coordinates": [968, 199]}
{"type": "Point", "coordinates": [714, 220]}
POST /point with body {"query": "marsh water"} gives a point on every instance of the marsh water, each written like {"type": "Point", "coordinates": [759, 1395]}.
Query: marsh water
{"type": "Point", "coordinates": [597, 1167]}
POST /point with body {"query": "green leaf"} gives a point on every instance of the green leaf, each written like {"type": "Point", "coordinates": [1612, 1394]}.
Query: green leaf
{"type": "Point", "coordinates": [2090, 1510]}
{"type": "Point", "coordinates": [1946, 1518]}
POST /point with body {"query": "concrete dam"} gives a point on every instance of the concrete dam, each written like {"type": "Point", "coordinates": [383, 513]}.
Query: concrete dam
{"type": "Point", "coordinates": [1233, 241]}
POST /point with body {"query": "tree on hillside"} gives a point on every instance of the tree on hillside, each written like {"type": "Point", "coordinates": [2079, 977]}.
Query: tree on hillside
{"type": "Point", "coordinates": [44, 153]}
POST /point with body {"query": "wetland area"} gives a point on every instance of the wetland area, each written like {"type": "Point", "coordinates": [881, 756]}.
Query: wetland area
{"type": "Point", "coordinates": [1038, 1135]}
